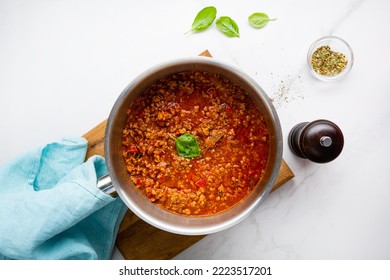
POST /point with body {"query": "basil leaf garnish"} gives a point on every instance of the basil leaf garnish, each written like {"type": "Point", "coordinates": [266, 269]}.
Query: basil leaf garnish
{"type": "Point", "coordinates": [204, 19]}
{"type": "Point", "coordinates": [259, 20]}
{"type": "Point", "coordinates": [228, 27]}
{"type": "Point", "coordinates": [187, 146]}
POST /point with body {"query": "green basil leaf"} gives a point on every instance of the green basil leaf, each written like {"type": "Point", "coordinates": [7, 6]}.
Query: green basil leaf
{"type": "Point", "coordinates": [259, 20]}
{"type": "Point", "coordinates": [187, 146]}
{"type": "Point", "coordinates": [228, 27]}
{"type": "Point", "coordinates": [204, 19]}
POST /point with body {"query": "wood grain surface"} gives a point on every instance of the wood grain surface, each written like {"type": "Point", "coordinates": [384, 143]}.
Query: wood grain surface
{"type": "Point", "coordinates": [139, 240]}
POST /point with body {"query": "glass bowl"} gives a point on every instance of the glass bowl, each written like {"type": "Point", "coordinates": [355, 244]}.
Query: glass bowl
{"type": "Point", "coordinates": [337, 47]}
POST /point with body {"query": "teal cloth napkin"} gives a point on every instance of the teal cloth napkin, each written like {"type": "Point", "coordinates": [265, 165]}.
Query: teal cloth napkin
{"type": "Point", "coordinates": [50, 207]}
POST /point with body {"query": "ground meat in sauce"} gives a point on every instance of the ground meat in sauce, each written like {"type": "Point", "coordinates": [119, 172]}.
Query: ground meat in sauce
{"type": "Point", "coordinates": [231, 132]}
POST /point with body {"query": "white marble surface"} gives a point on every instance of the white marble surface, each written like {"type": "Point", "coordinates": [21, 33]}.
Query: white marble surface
{"type": "Point", "coordinates": [63, 64]}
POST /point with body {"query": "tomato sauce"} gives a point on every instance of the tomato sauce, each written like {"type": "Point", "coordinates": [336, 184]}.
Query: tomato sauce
{"type": "Point", "coordinates": [231, 132]}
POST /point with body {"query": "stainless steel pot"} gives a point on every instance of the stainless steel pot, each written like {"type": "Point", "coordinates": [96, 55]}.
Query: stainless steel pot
{"type": "Point", "coordinates": [137, 202]}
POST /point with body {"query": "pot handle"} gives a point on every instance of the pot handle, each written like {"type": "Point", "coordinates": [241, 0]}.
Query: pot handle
{"type": "Point", "coordinates": [105, 185]}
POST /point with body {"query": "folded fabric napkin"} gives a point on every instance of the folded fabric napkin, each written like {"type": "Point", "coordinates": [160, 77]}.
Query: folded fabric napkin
{"type": "Point", "coordinates": [50, 207]}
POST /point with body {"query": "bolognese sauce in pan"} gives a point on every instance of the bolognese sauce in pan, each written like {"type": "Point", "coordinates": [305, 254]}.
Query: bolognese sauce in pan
{"type": "Point", "coordinates": [230, 132]}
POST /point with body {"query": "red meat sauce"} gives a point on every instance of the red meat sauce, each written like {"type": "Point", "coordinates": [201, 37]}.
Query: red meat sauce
{"type": "Point", "coordinates": [232, 136]}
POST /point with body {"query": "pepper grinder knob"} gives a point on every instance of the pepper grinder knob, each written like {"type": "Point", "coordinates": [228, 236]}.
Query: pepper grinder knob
{"type": "Point", "coordinates": [320, 141]}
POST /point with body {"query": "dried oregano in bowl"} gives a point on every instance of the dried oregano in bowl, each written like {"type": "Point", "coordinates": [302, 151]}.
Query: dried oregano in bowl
{"type": "Point", "coordinates": [330, 58]}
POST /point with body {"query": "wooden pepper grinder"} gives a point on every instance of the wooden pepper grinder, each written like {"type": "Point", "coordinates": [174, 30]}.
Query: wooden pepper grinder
{"type": "Point", "coordinates": [320, 141]}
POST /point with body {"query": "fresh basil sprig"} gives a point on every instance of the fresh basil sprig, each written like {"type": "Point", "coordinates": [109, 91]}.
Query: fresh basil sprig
{"type": "Point", "coordinates": [204, 19]}
{"type": "Point", "coordinates": [228, 26]}
{"type": "Point", "coordinates": [186, 146]}
{"type": "Point", "coordinates": [259, 20]}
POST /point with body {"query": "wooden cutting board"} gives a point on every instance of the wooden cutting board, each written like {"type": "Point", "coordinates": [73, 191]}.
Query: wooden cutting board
{"type": "Point", "coordinates": [137, 240]}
